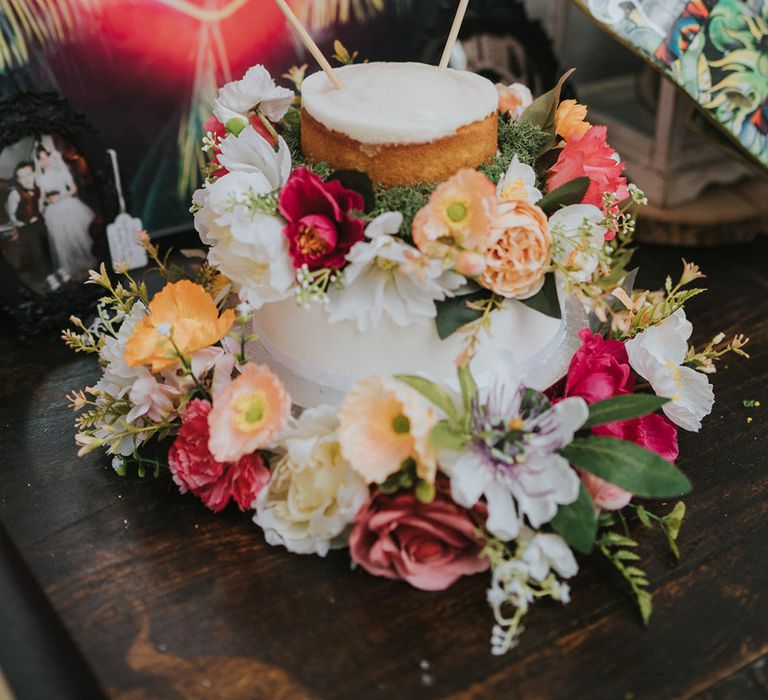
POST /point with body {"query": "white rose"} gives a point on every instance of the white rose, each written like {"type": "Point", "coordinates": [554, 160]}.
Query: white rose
{"type": "Point", "coordinates": [314, 495]}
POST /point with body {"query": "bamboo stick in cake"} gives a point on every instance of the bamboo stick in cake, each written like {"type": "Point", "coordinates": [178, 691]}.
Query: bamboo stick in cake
{"type": "Point", "coordinates": [309, 42]}
{"type": "Point", "coordinates": [457, 21]}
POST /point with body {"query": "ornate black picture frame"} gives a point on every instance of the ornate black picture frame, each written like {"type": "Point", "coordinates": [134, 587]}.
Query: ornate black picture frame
{"type": "Point", "coordinates": [50, 135]}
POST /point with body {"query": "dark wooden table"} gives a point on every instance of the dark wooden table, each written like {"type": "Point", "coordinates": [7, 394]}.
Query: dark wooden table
{"type": "Point", "coordinates": [167, 600]}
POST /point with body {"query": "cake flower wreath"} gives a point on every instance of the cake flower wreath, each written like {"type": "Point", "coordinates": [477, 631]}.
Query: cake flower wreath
{"type": "Point", "coordinates": [423, 482]}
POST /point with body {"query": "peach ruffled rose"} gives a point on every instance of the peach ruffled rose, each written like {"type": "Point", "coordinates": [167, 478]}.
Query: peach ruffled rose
{"type": "Point", "coordinates": [516, 264]}
{"type": "Point", "coordinates": [182, 312]}
{"type": "Point", "coordinates": [570, 119]}
{"type": "Point", "coordinates": [248, 414]}
{"type": "Point", "coordinates": [384, 423]}
{"type": "Point", "coordinates": [513, 99]}
{"type": "Point", "coordinates": [456, 223]}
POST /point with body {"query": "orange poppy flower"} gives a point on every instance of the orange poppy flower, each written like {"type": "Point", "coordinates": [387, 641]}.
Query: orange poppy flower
{"type": "Point", "coordinates": [186, 312]}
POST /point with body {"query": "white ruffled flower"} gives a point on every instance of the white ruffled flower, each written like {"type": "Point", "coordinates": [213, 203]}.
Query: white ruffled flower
{"type": "Point", "coordinates": [250, 152]}
{"type": "Point", "coordinates": [313, 495]}
{"type": "Point", "coordinates": [522, 475]}
{"type": "Point", "coordinates": [385, 275]}
{"type": "Point", "coordinates": [246, 244]}
{"type": "Point", "coordinates": [577, 239]}
{"type": "Point", "coordinates": [519, 182]}
{"type": "Point", "coordinates": [256, 89]}
{"type": "Point", "coordinates": [657, 354]}
{"type": "Point", "coordinates": [118, 378]}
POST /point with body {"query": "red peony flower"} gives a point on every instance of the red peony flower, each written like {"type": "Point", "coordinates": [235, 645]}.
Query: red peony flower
{"type": "Point", "coordinates": [320, 230]}
{"type": "Point", "coordinates": [590, 156]}
{"type": "Point", "coordinates": [195, 470]}
{"type": "Point", "coordinates": [429, 545]}
{"type": "Point", "coordinates": [600, 370]}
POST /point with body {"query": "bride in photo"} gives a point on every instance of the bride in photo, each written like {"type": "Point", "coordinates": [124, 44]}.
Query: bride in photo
{"type": "Point", "coordinates": [66, 216]}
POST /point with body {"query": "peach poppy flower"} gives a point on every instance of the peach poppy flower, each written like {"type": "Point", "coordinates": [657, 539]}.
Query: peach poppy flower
{"type": "Point", "coordinates": [516, 264]}
{"type": "Point", "coordinates": [247, 414]}
{"type": "Point", "coordinates": [383, 423]}
{"type": "Point", "coordinates": [458, 217]}
{"type": "Point", "coordinates": [570, 119]}
{"type": "Point", "coordinates": [186, 312]}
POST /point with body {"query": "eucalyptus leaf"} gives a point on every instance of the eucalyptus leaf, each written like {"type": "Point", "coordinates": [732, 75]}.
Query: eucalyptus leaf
{"type": "Point", "coordinates": [571, 192]}
{"type": "Point", "coordinates": [542, 112]}
{"type": "Point", "coordinates": [621, 408]}
{"type": "Point", "coordinates": [433, 393]}
{"type": "Point", "coordinates": [576, 523]}
{"type": "Point", "coordinates": [628, 466]}
{"type": "Point", "coordinates": [546, 300]}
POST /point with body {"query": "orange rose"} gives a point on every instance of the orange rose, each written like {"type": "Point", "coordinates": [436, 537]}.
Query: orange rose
{"type": "Point", "coordinates": [516, 264]}
{"type": "Point", "coordinates": [570, 119]}
{"type": "Point", "coordinates": [186, 312]}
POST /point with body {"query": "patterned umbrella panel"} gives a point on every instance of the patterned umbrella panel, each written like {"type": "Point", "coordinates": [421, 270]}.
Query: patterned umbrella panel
{"type": "Point", "coordinates": [715, 50]}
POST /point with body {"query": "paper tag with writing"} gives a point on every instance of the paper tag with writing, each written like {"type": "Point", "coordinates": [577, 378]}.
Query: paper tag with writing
{"type": "Point", "coordinates": [124, 248]}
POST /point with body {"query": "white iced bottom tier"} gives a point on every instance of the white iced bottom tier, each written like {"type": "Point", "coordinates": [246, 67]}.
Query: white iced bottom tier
{"type": "Point", "coordinates": [318, 361]}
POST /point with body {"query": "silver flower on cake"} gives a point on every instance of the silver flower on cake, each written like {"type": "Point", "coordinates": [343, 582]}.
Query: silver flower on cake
{"type": "Point", "coordinates": [256, 89]}
{"type": "Point", "coordinates": [387, 276]}
{"type": "Point", "coordinates": [578, 236]}
{"type": "Point", "coordinates": [657, 354]}
{"type": "Point", "coordinates": [512, 458]}
{"type": "Point", "coordinates": [313, 495]}
{"type": "Point", "coordinates": [236, 217]}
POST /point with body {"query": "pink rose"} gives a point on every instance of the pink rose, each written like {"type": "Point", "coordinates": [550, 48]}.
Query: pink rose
{"type": "Point", "coordinates": [600, 370]}
{"type": "Point", "coordinates": [428, 545]}
{"type": "Point", "coordinates": [590, 156]}
{"type": "Point", "coordinates": [320, 230]}
{"type": "Point", "coordinates": [215, 483]}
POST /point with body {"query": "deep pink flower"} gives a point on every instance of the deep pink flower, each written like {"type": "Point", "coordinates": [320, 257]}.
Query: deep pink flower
{"type": "Point", "coordinates": [320, 230]}
{"type": "Point", "coordinates": [600, 370]}
{"type": "Point", "coordinates": [195, 470]}
{"type": "Point", "coordinates": [590, 156]}
{"type": "Point", "coordinates": [428, 545]}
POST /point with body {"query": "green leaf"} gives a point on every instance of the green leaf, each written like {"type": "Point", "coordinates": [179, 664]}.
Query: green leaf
{"type": "Point", "coordinates": [576, 523]}
{"type": "Point", "coordinates": [628, 466]}
{"type": "Point", "coordinates": [625, 407]}
{"type": "Point", "coordinates": [645, 603]}
{"type": "Point", "coordinates": [454, 313]}
{"type": "Point", "coordinates": [546, 300]}
{"type": "Point", "coordinates": [674, 520]}
{"type": "Point", "coordinates": [432, 392]}
{"type": "Point", "coordinates": [542, 112]}
{"type": "Point", "coordinates": [645, 519]}
{"type": "Point", "coordinates": [447, 437]}
{"type": "Point", "coordinates": [468, 387]}
{"type": "Point", "coordinates": [571, 192]}
{"type": "Point", "coordinates": [626, 555]}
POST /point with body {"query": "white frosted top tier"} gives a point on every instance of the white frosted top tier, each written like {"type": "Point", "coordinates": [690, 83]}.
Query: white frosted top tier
{"type": "Point", "coordinates": [398, 102]}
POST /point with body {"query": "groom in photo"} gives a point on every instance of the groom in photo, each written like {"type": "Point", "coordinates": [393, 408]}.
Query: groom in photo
{"type": "Point", "coordinates": [28, 250]}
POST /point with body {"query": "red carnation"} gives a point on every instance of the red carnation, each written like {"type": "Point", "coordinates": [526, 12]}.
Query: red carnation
{"type": "Point", "coordinates": [320, 230]}
{"type": "Point", "coordinates": [195, 470]}
{"type": "Point", "coordinates": [590, 156]}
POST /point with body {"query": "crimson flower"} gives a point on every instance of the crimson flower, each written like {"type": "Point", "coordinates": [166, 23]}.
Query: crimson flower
{"type": "Point", "coordinates": [320, 228]}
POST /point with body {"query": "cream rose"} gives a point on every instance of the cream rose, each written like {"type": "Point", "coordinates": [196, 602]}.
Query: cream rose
{"type": "Point", "coordinates": [314, 495]}
{"type": "Point", "coordinates": [517, 262]}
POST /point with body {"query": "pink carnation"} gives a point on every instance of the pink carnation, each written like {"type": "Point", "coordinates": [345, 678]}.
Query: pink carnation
{"type": "Point", "coordinates": [590, 156]}
{"type": "Point", "coordinates": [429, 545]}
{"type": "Point", "coordinates": [195, 470]}
{"type": "Point", "coordinates": [600, 370]}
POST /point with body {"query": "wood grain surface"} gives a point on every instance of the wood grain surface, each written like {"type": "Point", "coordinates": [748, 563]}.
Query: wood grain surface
{"type": "Point", "coordinates": [167, 600]}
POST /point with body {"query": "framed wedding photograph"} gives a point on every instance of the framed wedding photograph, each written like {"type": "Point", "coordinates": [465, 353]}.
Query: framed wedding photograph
{"type": "Point", "coordinates": [57, 195]}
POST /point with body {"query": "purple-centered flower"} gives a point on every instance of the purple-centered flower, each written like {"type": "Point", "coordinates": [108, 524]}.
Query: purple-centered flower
{"type": "Point", "coordinates": [512, 458]}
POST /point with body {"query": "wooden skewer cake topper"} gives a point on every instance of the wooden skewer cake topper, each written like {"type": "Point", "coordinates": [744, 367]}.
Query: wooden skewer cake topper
{"type": "Point", "coordinates": [454, 33]}
{"type": "Point", "coordinates": [309, 42]}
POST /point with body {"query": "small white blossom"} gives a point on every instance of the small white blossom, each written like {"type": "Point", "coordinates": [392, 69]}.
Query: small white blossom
{"type": "Point", "coordinates": [658, 354]}
{"type": "Point", "coordinates": [256, 89]}
{"type": "Point", "coordinates": [577, 238]}
{"type": "Point", "coordinates": [250, 152]}
{"type": "Point", "coordinates": [520, 179]}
